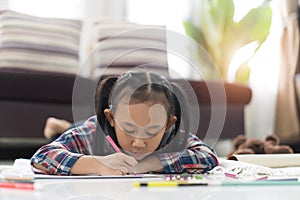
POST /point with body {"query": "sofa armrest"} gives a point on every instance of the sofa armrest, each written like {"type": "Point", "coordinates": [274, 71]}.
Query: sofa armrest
{"type": "Point", "coordinates": [237, 97]}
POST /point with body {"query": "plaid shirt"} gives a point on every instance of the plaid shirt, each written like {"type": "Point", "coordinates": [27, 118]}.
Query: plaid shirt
{"type": "Point", "coordinates": [60, 155]}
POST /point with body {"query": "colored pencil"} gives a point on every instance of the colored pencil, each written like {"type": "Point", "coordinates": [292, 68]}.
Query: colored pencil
{"type": "Point", "coordinates": [16, 185]}
{"type": "Point", "coordinates": [113, 144]}
{"type": "Point", "coordinates": [167, 184]}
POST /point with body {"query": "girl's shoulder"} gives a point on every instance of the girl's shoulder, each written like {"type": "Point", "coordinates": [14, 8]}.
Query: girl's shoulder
{"type": "Point", "coordinates": [90, 122]}
{"type": "Point", "coordinates": [194, 139]}
{"type": "Point", "coordinates": [192, 136]}
{"type": "Point", "coordinates": [85, 127]}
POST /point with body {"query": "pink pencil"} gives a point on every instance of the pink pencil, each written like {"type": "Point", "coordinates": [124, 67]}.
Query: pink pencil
{"type": "Point", "coordinates": [113, 144]}
{"type": "Point", "coordinates": [231, 175]}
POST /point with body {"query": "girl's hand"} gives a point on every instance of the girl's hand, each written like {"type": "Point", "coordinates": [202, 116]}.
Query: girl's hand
{"type": "Point", "coordinates": [118, 163]}
{"type": "Point", "coordinates": [107, 171]}
{"type": "Point", "coordinates": [149, 164]}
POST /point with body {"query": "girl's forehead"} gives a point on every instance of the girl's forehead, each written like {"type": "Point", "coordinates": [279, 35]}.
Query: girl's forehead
{"type": "Point", "coordinates": [142, 113]}
{"type": "Point", "coordinates": [148, 107]}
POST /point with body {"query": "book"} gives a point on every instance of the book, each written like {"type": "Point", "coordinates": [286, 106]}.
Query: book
{"type": "Point", "coordinates": [269, 160]}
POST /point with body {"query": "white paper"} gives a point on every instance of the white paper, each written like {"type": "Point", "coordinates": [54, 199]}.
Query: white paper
{"type": "Point", "coordinates": [271, 160]}
{"type": "Point", "coordinates": [43, 176]}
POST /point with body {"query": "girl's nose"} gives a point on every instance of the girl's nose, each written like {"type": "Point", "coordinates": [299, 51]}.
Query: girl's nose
{"type": "Point", "coordinates": [138, 143]}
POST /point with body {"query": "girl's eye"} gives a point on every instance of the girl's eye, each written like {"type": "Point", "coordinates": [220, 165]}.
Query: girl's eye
{"type": "Point", "coordinates": [131, 132]}
{"type": "Point", "coordinates": [151, 134]}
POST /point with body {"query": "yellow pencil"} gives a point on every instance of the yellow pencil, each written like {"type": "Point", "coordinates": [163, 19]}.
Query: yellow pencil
{"type": "Point", "coordinates": [166, 184]}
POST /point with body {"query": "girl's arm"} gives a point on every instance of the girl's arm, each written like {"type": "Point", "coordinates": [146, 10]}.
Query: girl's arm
{"type": "Point", "coordinates": [55, 158]}
{"type": "Point", "coordinates": [91, 165]}
{"type": "Point", "coordinates": [71, 154]}
{"type": "Point", "coordinates": [59, 156]}
{"type": "Point", "coordinates": [196, 152]}
{"type": "Point", "coordinates": [80, 167]}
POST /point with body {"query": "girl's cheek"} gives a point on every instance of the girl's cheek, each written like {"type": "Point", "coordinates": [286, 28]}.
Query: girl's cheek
{"type": "Point", "coordinates": [125, 144]}
{"type": "Point", "coordinates": [123, 140]}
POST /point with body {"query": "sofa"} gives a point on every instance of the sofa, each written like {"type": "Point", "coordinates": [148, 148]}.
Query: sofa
{"type": "Point", "coordinates": [28, 98]}
{"type": "Point", "coordinates": [37, 80]}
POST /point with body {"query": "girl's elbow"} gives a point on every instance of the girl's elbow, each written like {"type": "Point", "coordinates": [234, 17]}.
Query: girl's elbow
{"type": "Point", "coordinates": [212, 162]}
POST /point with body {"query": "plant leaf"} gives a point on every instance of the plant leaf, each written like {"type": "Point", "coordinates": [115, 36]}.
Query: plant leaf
{"type": "Point", "coordinates": [195, 33]}
{"type": "Point", "coordinates": [243, 73]}
{"type": "Point", "coordinates": [217, 32]}
{"type": "Point", "coordinates": [254, 26]}
{"type": "Point", "coordinates": [222, 12]}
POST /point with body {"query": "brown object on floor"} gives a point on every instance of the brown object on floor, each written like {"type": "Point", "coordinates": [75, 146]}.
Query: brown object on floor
{"type": "Point", "coordinates": [243, 145]}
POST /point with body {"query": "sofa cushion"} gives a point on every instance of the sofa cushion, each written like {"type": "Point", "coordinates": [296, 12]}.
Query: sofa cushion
{"type": "Point", "coordinates": [39, 43]}
{"type": "Point", "coordinates": [120, 45]}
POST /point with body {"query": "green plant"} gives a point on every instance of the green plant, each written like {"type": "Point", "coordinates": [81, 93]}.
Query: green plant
{"type": "Point", "coordinates": [217, 32]}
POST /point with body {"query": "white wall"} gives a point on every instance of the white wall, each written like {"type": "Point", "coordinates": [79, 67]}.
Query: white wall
{"type": "Point", "coordinates": [260, 113]}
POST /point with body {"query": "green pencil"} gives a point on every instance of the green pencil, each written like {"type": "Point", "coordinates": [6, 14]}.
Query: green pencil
{"type": "Point", "coordinates": [261, 183]}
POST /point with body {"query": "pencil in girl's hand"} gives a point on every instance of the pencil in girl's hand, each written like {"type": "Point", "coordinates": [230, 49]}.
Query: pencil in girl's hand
{"type": "Point", "coordinates": [113, 144]}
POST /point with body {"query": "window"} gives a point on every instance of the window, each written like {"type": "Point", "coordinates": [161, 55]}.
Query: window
{"type": "Point", "coordinates": [47, 8]}
{"type": "Point", "coordinates": [156, 12]}
{"type": "Point", "coordinates": [168, 13]}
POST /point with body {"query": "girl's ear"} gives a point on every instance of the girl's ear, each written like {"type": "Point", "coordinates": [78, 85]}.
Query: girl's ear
{"type": "Point", "coordinates": [109, 116]}
{"type": "Point", "coordinates": [171, 121]}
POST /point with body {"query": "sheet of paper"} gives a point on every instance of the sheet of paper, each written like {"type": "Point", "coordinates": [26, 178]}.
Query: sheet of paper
{"type": "Point", "coordinates": [239, 171]}
{"type": "Point", "coordinates": [42, 176]}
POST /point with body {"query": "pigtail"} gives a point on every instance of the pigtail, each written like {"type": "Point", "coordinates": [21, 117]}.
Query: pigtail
{"type": "Point", "coordinates": [181, 108]}
{"type": "Point", "coordinates": [102, 97]}
{"type": "Point", "coordinates": [176, 139]}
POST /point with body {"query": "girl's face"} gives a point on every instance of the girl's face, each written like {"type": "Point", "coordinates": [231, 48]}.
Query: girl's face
{"type": "Point", "coordinates": [139, 127]}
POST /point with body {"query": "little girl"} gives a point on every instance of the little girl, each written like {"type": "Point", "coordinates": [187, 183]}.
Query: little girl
{"type": "Point", "coordinates": [147, 118]}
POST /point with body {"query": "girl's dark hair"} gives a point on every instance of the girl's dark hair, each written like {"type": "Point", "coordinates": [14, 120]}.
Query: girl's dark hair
{"type": "Point", "coordinates": [140, 86]}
